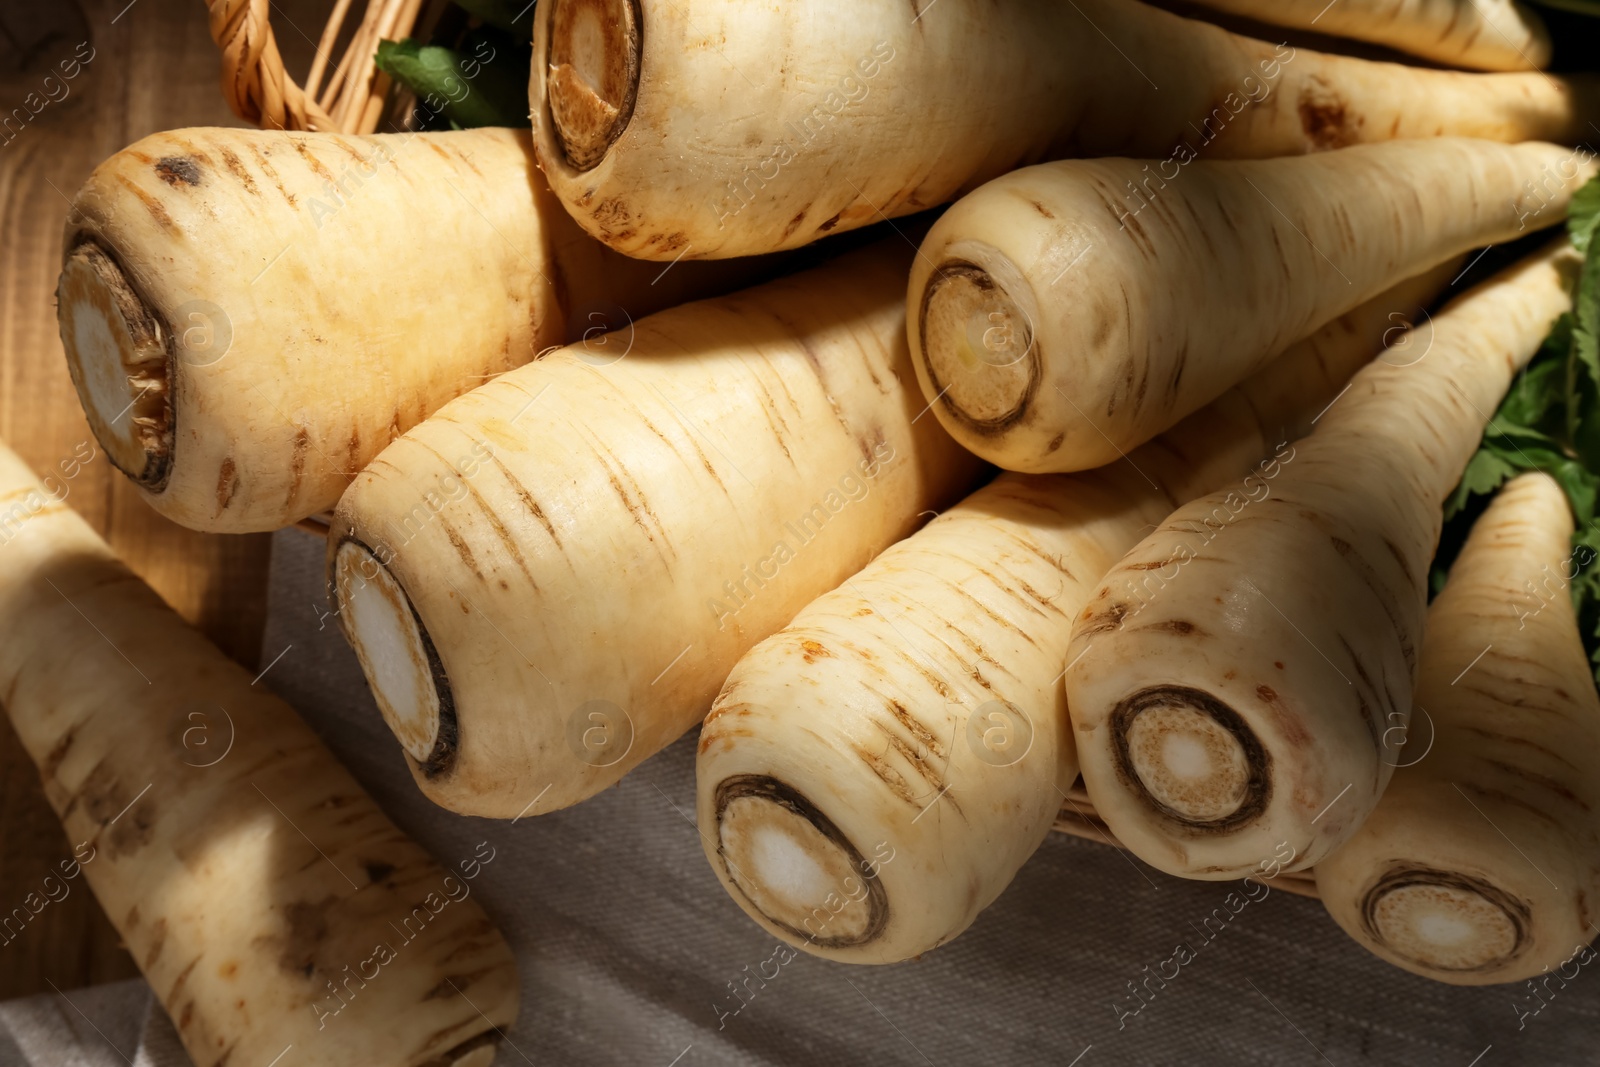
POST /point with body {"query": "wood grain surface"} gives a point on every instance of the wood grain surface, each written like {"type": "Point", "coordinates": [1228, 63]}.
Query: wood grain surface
{"type": "Point", "coordinates": [152, 67]}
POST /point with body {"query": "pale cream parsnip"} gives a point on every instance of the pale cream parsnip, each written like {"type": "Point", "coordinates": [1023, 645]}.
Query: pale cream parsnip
{"type": "Point", "coordinates": [251, 316]}
{"type": "Point", "coordinates": [1481, 863]}
{"type": "Point", "coordinates": [713, 128]}
{"type": "Point", "coordinates": [1053, 311]}
{"type": "Point", "coordinates": [1479, 34]}
{"type": "Point", "coordinates": [266, 898]}
{"type": "Point", "coordinates": [1235, 677]}
{"type": "Point", "coordinates": [873, 775]}
{"type": "Point", "coordinates": [548, 580]}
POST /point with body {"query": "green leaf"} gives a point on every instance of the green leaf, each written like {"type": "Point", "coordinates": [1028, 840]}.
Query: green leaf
{"type": "Point", "coordinates": [1486, 472]}
{"type": "Point", "coordinates": [1583, 214]}
{"type": "Point", "coordinates": [480, 85]}
{"type": "Point", "coordinates": [1538, 391]}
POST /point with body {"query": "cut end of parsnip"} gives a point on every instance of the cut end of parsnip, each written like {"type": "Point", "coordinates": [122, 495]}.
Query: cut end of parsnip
{"type": "Point", "coordinates": [399, 660]}
{"type": "Point", "coordinates": [794, 866]}
{"type": "Point", "coordinates": [977, 343]}
{"type": "Point", "coordinates": [1191, 757]}
{"type": "Point", "coordinates": [1445, 921]}
{"type": "Point", "coordinates": [592, 74]}
{"type": "Point", "coordinates": [119, 360]}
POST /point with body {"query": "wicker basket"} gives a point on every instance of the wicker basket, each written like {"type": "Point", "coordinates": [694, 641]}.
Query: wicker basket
{"type": "Point", "coordinates": [354, 100]}
{"type": "Point", "coordinates": [347, 95]}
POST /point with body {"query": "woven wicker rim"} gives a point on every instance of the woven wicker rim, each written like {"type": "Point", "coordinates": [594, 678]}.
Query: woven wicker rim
{"type": "Point", "coordinates": [260, 90]}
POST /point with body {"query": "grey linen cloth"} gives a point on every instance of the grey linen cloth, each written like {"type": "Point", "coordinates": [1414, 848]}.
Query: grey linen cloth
{"type": "Point", "coordinates": [629, 949]}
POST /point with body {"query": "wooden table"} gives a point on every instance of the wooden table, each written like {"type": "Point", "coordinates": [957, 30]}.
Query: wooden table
{"type": "Point", "coordinates": [153, 67]}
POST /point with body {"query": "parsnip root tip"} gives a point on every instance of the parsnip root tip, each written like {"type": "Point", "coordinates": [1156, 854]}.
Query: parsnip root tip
{"type": "Point", "coordinates": [1191, 757]}
{"type": "Point", "coordinates": [594, 59]}
{"type": "Point", "coordinates": [120, 362]}
{"type": "Point", "coordinates": [1445, 921]}
{"type": "Point", "coordinates": [407, 677]}
{"type": "Point", "coordinates": [978, 348]}
{"type": "Point", "coordinates": [794, 866]}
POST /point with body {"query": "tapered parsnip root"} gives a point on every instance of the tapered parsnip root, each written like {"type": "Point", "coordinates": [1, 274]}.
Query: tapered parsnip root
{"type": "Point", "coordinates": [547, 581]}
{"type": "Point", "coordinates": [1480, 34]}
{"type": "Point", "coordinates": [873, 775]}
{"type": "Point", "coordinates": [263, 894]}
{"type": "Point", "coordinates": [1482, 861]}
{"type": "Point", "coordinates": [713, 128]}
{"type": "Point", "coordinates": [1236, 675]}
{"type": "Point", "coordinates": [1065, 313]}
{"type": "Point", "coordinates": [250, 317]}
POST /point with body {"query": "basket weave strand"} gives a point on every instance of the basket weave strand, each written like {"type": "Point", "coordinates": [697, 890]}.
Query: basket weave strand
{"type": "Point", "coordinates": [260, 90]}
{"type": "Point", "coordinates": [254, 81]}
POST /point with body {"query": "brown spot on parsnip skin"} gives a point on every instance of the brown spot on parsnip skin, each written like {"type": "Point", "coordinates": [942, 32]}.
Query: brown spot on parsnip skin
{"type": "Point", "coordinates": [612, 216]}
{"type": "Point", "coordinates": [893, 779]}
{"type": "Point", "coordinates": [924, 736]}
{"type": "Point", "coordinates": [794, 223]}
{"type": "Point", "coordinates": [1110, 619]}
{"type": "Point", "coordinates": [236, 167]}
{"type": "Point", "coordinates": [298, 144]}
{"type": "Point", "coordinates": [150, 203]}
{"type": "Point", "coordinates": [227, 483]}
{"type": "Point", "coordinates": [1325, 117]}
{"type": "Point", "coordinates": [830, 223]}
{"type": "Point", "coordinates": [1181, 627]}
{"type": "Point", "coordinates": [1399, 557]}
{"type": "Point", "coordinates": [297, 462]}
{"type": "Point", "coordinates": [1055, 443]}
{"type": "Point", "coordinates": [178, 170]}
{"type": "Point", "coordinates": [527, 500]}
{"type": "Point", "coordinates": [178, 983]}
{"type": "Point", "coordinates": [813, 650]}
{"type": "Point", "coordinates": [377, 870]}
{"type": "Point", "coordinates": [1041, 209]}
{"type": "Point", "coordinates": [668, 243]}
{"type": "Point", "coordinates": [158, 941]}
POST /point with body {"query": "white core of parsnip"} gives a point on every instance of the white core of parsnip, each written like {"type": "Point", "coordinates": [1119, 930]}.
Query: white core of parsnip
{"type": "Point", "coordinates": [389, 643]}
{"type": "Point", "coordinates": [248, 874]}
{"type": "Point", "coordinates": [1290, 615]}
{"type": "Point", "coordinates": [251, 316]}
{"type": "Point", "coordinates": [1481, 863]}
{"type": "Point", "coordinates": [908, 731]}
{"type": "Point", "coordinates": [715, 128]}
{"type": "Point", "coordinates": [589, 546]}
{"type": "Point", "coordinates": [1065, 313]}
{"type": "Point", "coordinates": [1477, 34]}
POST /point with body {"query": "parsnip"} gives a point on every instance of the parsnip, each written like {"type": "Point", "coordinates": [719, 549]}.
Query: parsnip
{"type": "Point", "coordinates": [250, 317]}
{"type": "Point", "coordinates": [1482, 861]}
{"type": "Point", "coordinates": [874, 774]}
{"type": "Point", "coordinates": [708, 128]}
{"type": "Point", "coordinates": [547, 581]}
{"type": "Point", "coordinates": [260, 890]}
{"type": "Point", "coordinates": [1065, 313]}
{"type": "Point", "coordinates": [1234, 678]}
{"type": "Point", "coordinates": [1481, 34]}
